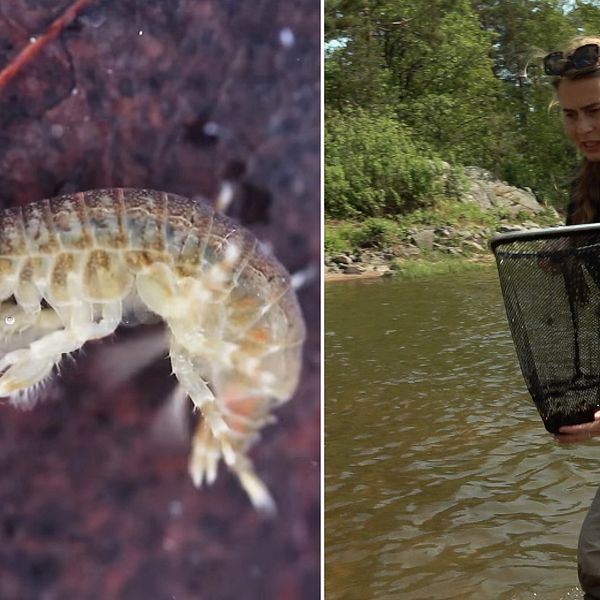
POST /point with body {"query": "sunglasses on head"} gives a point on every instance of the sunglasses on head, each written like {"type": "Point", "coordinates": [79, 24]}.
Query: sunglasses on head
{"type": "Point", "coordinates": [582, 59]}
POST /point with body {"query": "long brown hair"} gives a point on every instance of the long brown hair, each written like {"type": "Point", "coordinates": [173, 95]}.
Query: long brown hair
{"type": "Point", "coordinates": [586, 193]}
{"type": "Point", "coordinates": [586, 190]}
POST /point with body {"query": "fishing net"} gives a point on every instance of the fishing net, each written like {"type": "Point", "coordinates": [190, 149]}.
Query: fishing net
{"type": "Point", "coordinates": [550, 280]}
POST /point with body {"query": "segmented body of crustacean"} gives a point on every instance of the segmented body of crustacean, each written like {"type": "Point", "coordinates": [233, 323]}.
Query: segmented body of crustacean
{"type": "Point", "coordinates": [71, 268]}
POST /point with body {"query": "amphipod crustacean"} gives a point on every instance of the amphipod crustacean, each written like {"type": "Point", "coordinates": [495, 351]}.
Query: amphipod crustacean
{"type": "Point", "coordinates": [73, 267]}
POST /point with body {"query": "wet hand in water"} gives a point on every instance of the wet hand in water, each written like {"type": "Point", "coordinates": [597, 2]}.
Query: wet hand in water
{"type": "Point", "coordinates": [577, 433]}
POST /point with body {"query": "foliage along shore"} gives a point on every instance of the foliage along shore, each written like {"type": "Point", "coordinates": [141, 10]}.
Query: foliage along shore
{"type": "Point", "coordinates": [451, 237]}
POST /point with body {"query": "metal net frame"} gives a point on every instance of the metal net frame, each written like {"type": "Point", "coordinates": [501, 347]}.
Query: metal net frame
{"type": "Point", "coordinates": [550, 281]}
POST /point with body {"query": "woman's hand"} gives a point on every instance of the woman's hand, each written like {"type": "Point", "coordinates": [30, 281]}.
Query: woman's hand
{"type": "Point", "coordinates": [577, 433]}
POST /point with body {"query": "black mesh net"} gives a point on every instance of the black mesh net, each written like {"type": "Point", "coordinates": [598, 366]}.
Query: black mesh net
{"type": "Point", "coordinates": [550, 281]}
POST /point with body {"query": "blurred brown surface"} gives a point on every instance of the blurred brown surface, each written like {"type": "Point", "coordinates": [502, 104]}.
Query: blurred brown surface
{"type": "Point", "coordinates": [171, 95]}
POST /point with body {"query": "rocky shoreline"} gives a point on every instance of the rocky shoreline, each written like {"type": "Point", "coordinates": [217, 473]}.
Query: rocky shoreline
{"type": "Point", "coordinates": [519, 210]}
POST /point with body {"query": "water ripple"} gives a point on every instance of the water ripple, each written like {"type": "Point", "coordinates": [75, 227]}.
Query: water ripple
{"type": "Point", "coordinates": [440, 480]}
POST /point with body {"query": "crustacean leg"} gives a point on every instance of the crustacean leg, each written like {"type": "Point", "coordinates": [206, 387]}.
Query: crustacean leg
{"type": "Point", "coordinates": [188, 370]}
{"type": "Point", "coordinates": [190, 354]}
{"type": "Point", "coordinates": [245, 414]}
{"type": "Point", "coordinates": [204, 461]}
{"type": "Point", "coordinates": [218, 435]}
{"type": "Point", "coordinates": [18, 328]}
{"type": "Point", "coordinates": [206, 452]}
{"type": "Point", "coordinates": [27, 367]}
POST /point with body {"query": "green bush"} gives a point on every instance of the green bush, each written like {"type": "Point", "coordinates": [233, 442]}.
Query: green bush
{"type": "Point", "coordinates": [373, 167]}
{"type": "Point", "coordinates": [349, 236]}
{"type": "Point", "coordinates": [376, 233]}
{"type": "Point", "coordinates": [338, 238]}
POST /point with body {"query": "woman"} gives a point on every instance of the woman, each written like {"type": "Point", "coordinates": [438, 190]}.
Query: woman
{"type": "Point", "coordinates": [577, 83]}
{"type": "Point", "coordinates": [576, 74]}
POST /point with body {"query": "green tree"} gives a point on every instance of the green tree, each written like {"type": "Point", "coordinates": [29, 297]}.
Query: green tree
{"type": "Point", "coordinates": [374, 167]}
{"type": "Point", "coordinates": [463, 77]}
{"type": "Point", "coordinates": [426, 60]}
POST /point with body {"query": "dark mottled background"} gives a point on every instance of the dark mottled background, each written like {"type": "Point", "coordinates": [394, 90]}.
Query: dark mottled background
{"type": "Point", "coordinates": [173, 95]}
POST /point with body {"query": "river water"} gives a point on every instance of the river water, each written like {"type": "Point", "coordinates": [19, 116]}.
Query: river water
{"type": "Point", "coordinates": [440, 479]}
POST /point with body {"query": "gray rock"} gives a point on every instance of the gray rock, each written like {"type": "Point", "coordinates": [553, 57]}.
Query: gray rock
{"type": "Point", "coordinates": [424, 239]}
{"type": "Point", "coordinates": [509, 228]}
{"type": "Point", "coordinates": [445, 232]}
{"type": "Point", "coordinates": [489, 192]}
{"type": "Point", "coordinates": [381, 268]}
{"type": "Point", "coordinates": [407, 251]}
{"type": "Point", "coordinates": [476, 246]}
{"type": "Point", "coordinates": [341, 259]}
{"type": "Point", "coordinates": [372, 258]}
{"type": "Point", "coordinates": [354, 270]}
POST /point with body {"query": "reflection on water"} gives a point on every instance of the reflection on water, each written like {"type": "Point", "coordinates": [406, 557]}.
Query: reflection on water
{"type": "Point", "coordinates": [440, 479]}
